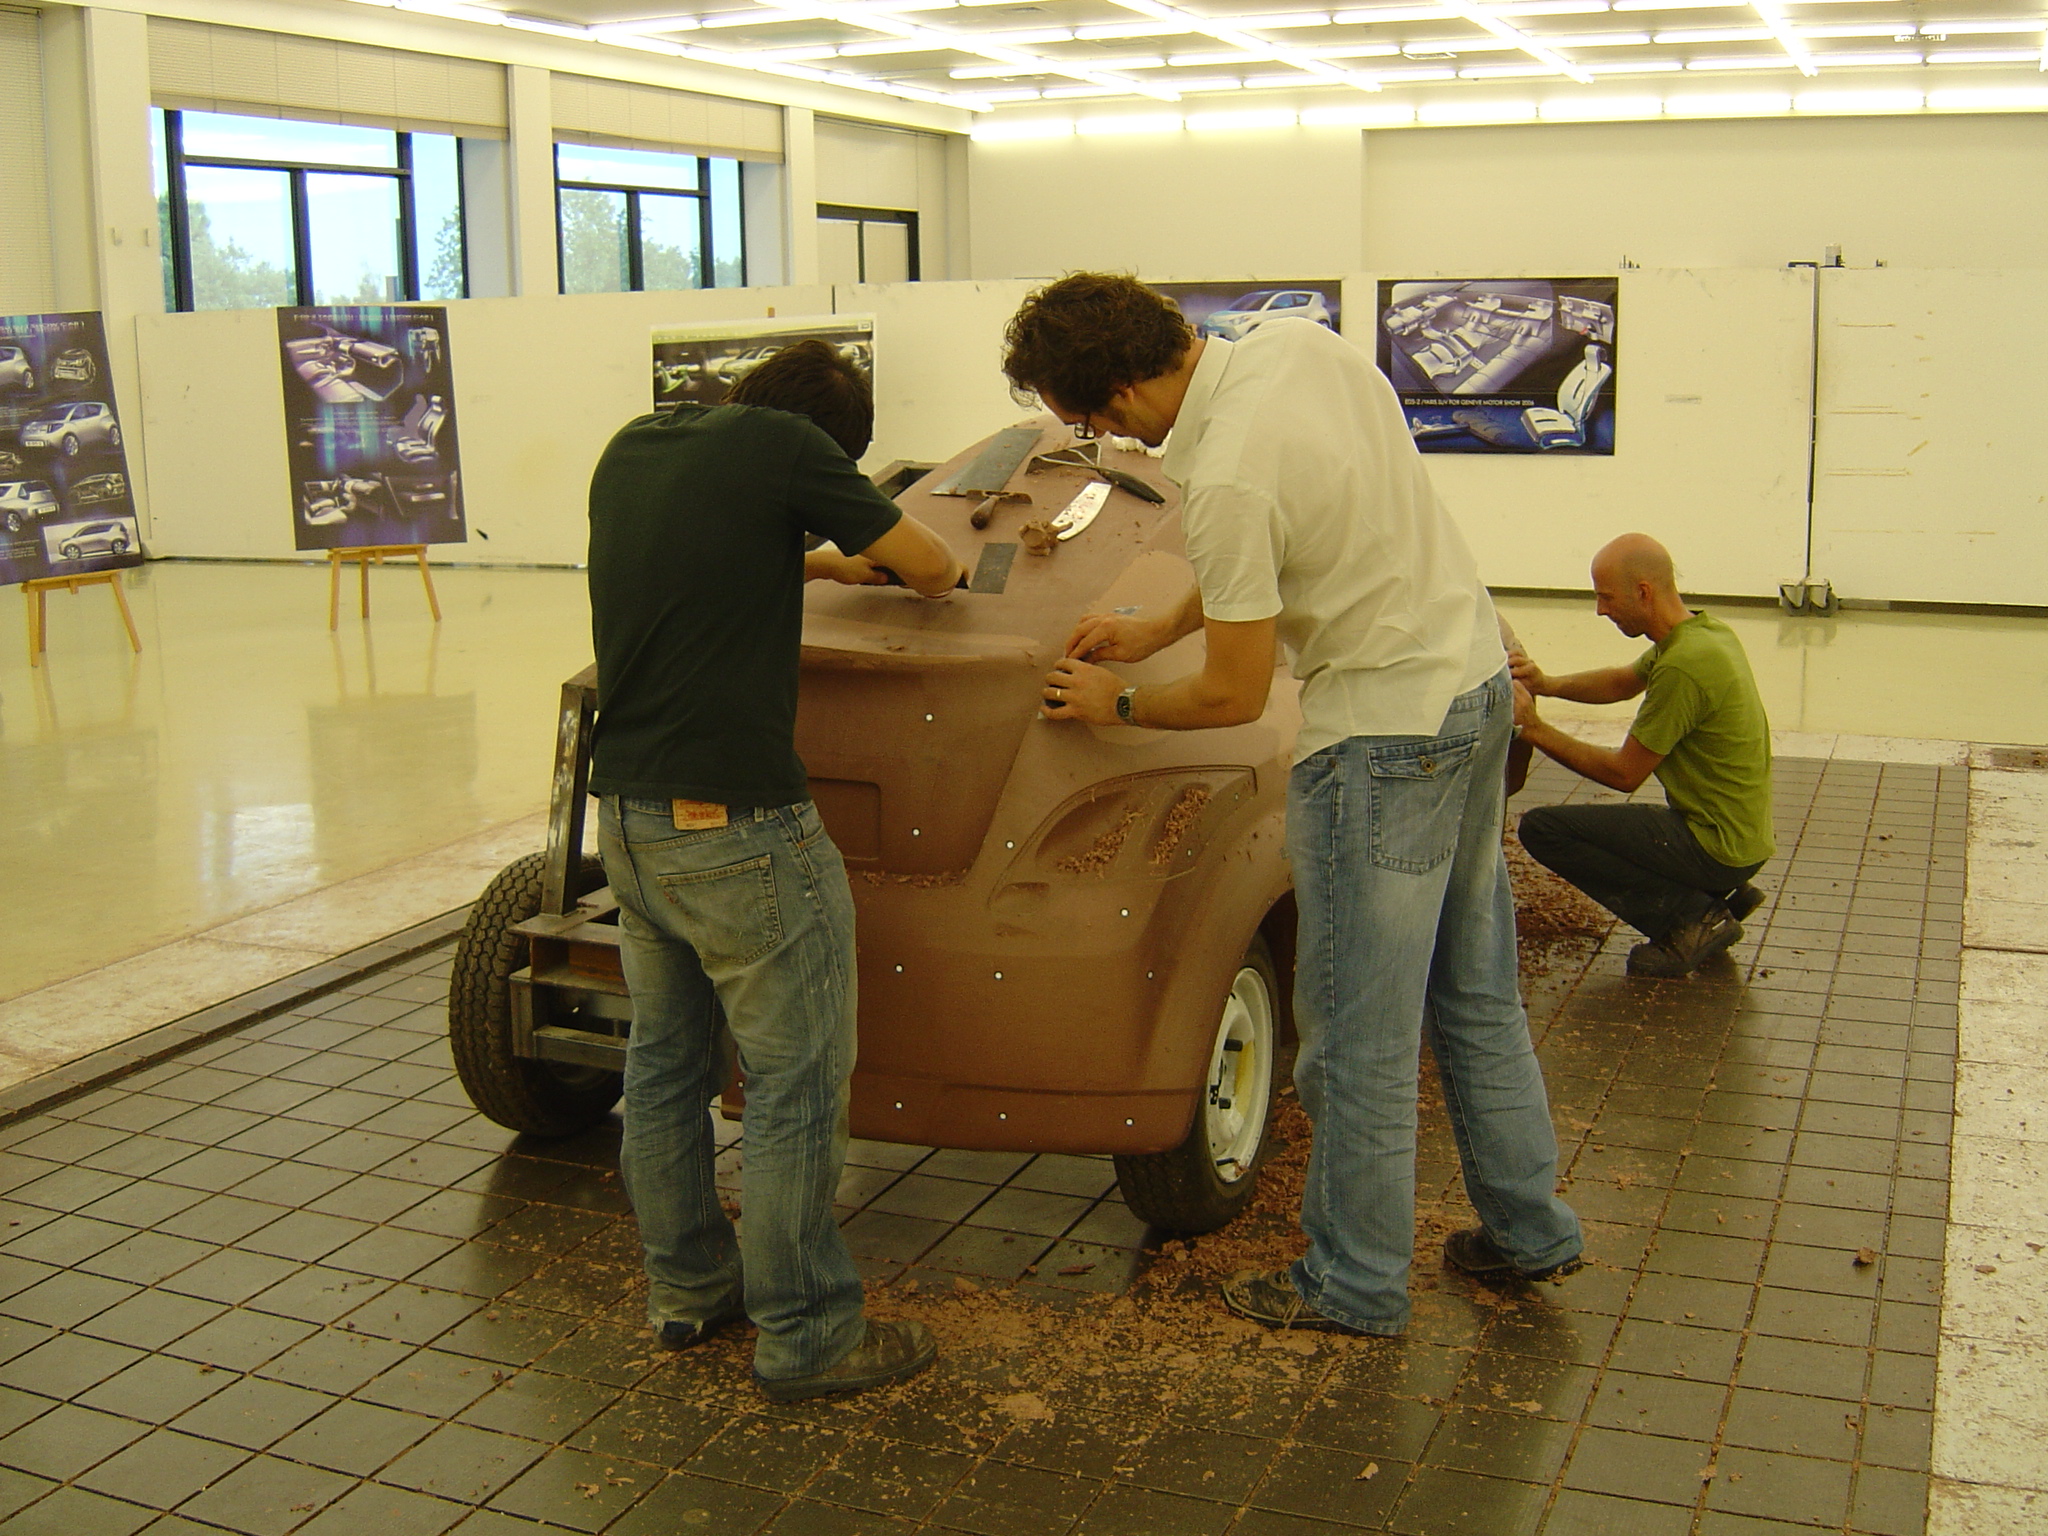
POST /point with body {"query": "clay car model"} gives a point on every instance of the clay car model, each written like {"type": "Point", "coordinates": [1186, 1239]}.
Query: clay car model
{"type": "Point", "coordinates": [111, 486]}
{"type": "Point", "coordinates": [16, 371]}
{"type": "Point", "coordinates": [1236, 320]}
{"type": "Point", "coordinates": [74, 365]}
{"type": "Point", "coordinates": [71, 429]}
{"type": "Point", "coordinates": [1072, 938]}
{"type": "Point", "coordinates": [23, 502]}
{"type": "Point", "coordinates": [95, 539]}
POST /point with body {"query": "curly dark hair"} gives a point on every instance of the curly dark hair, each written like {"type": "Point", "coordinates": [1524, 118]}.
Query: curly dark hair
{"type": "Point", "coordinates": [1084, 338]}
{"type": "Point", "coordinates": [810, 378]}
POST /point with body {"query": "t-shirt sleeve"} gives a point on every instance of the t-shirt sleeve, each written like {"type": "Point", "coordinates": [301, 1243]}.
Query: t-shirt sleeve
{"type": "Point", "coordinates": [831, 497]}
{"type": "Point", "coordinates": [1236, 545]}
{"type": "Point", "coordinates": [1645, 662]}
{"type": "Point", "coordinates": [1674, 704]}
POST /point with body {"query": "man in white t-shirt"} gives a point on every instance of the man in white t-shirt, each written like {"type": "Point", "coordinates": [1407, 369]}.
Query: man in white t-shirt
{"type": "Point", "coordinates": [1309, 519]}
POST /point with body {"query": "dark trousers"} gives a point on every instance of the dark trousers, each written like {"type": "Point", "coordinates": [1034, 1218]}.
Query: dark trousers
{"type": "Point", "coordinates": [1640, 862]}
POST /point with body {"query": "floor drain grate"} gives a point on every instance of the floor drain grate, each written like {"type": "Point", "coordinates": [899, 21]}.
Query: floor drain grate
{"type": "Point", "coordinates": [2023, 759]}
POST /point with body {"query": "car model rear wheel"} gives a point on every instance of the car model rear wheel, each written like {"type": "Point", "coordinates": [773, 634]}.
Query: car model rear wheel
{"type": "Point", "coordinates": [1211, 1176]}
{"type": "Point", "coordinates": [539, 1098]}
{"type": "Point", "coordinates": [114, 436]}
{"type": "Point", "coordinates": [70, 447]}
{"type": "Point", "coordinates": [69, 551]}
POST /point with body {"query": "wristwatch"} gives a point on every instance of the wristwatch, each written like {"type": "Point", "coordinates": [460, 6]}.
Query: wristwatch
{"type": "Point", "coordinates": [1126, 706]}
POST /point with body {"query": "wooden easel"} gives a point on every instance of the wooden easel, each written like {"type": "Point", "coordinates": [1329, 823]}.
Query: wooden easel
{"type": "Point", "coordinates": [364, 557]}
{"type": "Point", "coordinates": [37, 592]}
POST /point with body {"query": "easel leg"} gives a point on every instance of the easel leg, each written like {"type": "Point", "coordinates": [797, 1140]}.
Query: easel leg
{"type": "Point", "coordinates": [333, 589]}
{"type": "Point", "coordinates": [364, 567]}
{"type": "Point", "coordinates": [28, 600]}
{"type": "Point", "coordinates": [433, 604]}
{"type": "Point", "coordinates": [127, 618]}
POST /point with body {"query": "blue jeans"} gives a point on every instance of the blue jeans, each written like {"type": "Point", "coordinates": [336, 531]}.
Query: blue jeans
{"type": "Point", "coordinates": [746, 928]}
{"type": "Point", "coordinates": [1408, 929]}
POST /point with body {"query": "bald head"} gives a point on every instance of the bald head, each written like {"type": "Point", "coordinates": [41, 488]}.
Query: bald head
{"type": "Point", "coordinates": [1636, 559]}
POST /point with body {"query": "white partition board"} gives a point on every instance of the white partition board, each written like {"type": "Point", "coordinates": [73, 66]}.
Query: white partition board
{"type": "Point", "coordinates": [1931, 473]}
{"type": "Point", "coordinates": [939, 382]}
{"type": "Point", "coordinates": [541, 383]}
{"type": "Point", "coordinates": [1714, 373]}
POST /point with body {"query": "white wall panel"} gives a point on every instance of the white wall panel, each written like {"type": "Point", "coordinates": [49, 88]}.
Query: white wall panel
{"type": "Point", "coordinates": [1931, 473]}
{"type": "Point", "coordinates": [26, 285]}
{"type": "Point", "coordinates": [1710, 441]}
{"type": "Point", "coordinates": [541, 383]}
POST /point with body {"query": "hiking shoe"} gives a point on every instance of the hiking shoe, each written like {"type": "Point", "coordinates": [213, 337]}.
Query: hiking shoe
{"type": "Point", "coordinates": [681, 1333]}
{"type": "Point", "coordinates": [888, 1352]}
{"type": "Point", "coordinates": [1476, 1254]}
{"type": "Point", "coordinates": [1269, 1297]}
{"type": "Point", "coordinates": [1742, 901]}
{"type": "Point", "coordinates": [1685, 948]}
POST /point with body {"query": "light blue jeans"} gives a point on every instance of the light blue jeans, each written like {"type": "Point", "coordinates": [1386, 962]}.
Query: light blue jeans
{"type": "Point", "coordinates": [1408, 929]}
{"type": "Point", "coordinates": [749, 927]}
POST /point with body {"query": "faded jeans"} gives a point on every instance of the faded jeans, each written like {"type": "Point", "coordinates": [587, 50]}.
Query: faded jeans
{"type": "Point", "coordinates": [750, 927]}
{"type": "Point", "coordinates": [1407, 930]}
{"type": "Point", "coordinates": [1640, 862]}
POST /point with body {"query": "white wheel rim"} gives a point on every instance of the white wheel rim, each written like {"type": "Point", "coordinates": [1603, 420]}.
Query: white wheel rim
{"type": "Point", "coordinates": [1240, 1069]}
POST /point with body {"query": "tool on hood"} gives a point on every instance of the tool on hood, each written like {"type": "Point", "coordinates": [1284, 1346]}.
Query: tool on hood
{"type": "Point", "coordinates": [991, 469]}
{"type": "Point", "coordinates": [1080, 456]}
{"type": "Point", "coordinates": [979, 518]}
{"type": "Point", "coordinates": [1080, 512]}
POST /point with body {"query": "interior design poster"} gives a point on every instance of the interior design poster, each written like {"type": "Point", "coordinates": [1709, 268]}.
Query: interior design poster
{"type": "Point", "coordinates": [1502, 365]}
{"type": "Point", "coordinates": [1232, 310]}
{"type": "Point", "coordinates": [697, 364]}
{"type": "Point", "coordinates": [65, 506]}
{"type": "Point", "coordinates": [369, 410]}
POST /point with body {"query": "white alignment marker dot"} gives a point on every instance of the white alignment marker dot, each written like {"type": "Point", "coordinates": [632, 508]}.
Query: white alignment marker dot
{"type": "Point", "coordinates": [899, 970]}
{"type": "Point", "coordinates": [999, 975]}
{"type": "Point", "coordinates": [930, 718]}
{"type": "Point", "coordinates": [1127, 911]}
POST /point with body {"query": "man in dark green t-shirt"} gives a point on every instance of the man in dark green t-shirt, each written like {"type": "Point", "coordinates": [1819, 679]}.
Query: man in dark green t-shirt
{"type": "Point", "coordinates": [734, 909]}
{"type": "Point", "coordinates": [1679, 872]}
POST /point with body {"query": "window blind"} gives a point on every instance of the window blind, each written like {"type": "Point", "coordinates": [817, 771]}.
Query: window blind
{"type": "Point", "coordinates": [624, 115]}
{"type": "Point", "coordinates": [26, 278]}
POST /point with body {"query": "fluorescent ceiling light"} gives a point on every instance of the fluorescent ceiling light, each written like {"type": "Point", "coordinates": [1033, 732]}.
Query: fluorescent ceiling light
{"type": "Point", "coordinates": [1477, 112]}
{"type": "Point", "coordinates": [1752, 105]}
{"type": "Point", "coordinates": [1983, 55]}
{"type": "Point", "coordinates": [1858, 101]}
{"type": "Point", "coordinates": [1552, 8]}
{"type": "Point", "coordinates": [1232, 122]}
{"type": "Point", "coordinates": [547, 28]}
{"type": "Point", "coordinates": [1745, 61]}
{"type": "Point", "coordinates": [1407, 76]}
{"type": "Point", "coordinates": [1589, 109]}
{"type": "Point", "coordinates": [884, 46]}
{"type": "Point", "coordinates": [1388, 13]}
{"type": "Point", "coordinates": [454, 11]}
{"type": "Point", "coordinates": [1866, 60]}
{"type": "Point", "coordinates": [1638, 67]}
{"type": "Point", "coordinates": [1987, 99]}
{"type": "Point", "coordinates": [1281, 23]}
{"type": "Point", "coordinates": [1716, 35]}
{"type": "Point", "coordinates": [1679, 5]}
{"type": "Point", "coordinates": [1600, 40]}
{"type": "Point", "coordinates": [1508, 72]}
{"type": "Point", "coordinates": [1155, 122]}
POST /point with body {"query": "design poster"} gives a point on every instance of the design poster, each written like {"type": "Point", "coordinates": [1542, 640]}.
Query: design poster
{"type": "Point", "coordinates": [369, 408]}
{"type": "Point", "coordinates": [1502, 365]}
{"type": "Point", "coordinates": [65, 505]}
{"type": "Point", "coordinates": [1233, 310]}
{"type": "Point", "coordinates": [697, 364]}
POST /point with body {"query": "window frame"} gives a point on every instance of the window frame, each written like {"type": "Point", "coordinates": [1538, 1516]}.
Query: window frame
{"type": "Point", "coordinates": [860, 218]}
{"type": "Point", "coordinates": [636, 262]}
{"type": "Point", "coordinates": [296, 171]}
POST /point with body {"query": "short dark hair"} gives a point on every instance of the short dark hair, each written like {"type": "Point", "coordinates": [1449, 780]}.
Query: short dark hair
{"type": "Point", "coordinates": [1091, 334]}
{"type": "Point", "coordinates": [810, 378]}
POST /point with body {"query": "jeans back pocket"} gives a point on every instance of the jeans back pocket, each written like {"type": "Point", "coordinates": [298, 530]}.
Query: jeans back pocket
{"type": "Point", "coordinates": [729, 914]}
{"type": "Point", "coordinates": [1418, 800]}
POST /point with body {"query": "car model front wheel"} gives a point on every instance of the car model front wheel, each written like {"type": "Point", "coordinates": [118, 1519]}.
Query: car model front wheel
{"type": "Point", "coordinates": [70, 447]}
{"type": "Point", "coordinates": [70, 551]}
{"type": "Point", "coordinates": [117, 546]}
{"type": "Point", "coordinates": [1211, 1176]}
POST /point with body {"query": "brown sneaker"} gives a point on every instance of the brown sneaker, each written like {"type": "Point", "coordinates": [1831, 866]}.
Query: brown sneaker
{"type": "Point", "coordinates": [1742, 901]}
{"type": "Point", "coordinates": [888, 1352]}
{"type": "Point", "coordinates": [1685, 948]}
{"type": "Point", "coordinates": [1477, 1254]}
{"type": "Point", "coordinates": [1269, 1297]}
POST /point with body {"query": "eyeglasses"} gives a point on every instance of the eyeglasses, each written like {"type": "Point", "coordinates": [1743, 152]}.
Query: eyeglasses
{"type": "Point", "coordinates": [1084, 430]}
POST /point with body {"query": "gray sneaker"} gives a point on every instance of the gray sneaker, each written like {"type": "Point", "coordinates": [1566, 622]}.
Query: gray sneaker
{"type": "Point", "coordinates": [1685, 948]}
{"type": "Point", "coordinates": [889, 1352]}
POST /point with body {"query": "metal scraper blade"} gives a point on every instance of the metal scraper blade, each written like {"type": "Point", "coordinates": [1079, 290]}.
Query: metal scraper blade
{"type": "Point", "coordinates": [992, 572]}
{"type": "Point", "coordinates": [993, 466]}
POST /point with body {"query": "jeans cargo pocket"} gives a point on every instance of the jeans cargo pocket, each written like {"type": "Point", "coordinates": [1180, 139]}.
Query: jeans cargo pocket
{"type": "Point", "coordinates": [730, 914]}
{"type": "Point", "coordinates": [1418, 800]}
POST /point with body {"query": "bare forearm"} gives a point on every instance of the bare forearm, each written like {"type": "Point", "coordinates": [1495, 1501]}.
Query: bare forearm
{"type": "Point", "coordinates": [1599, 764]}
{"type": "Point", "coordinates": [1602, 685]}
{"type": "Point", "coordinates": [1192, 703]}
{"type": "Point", "coordinates": [1186, 617]}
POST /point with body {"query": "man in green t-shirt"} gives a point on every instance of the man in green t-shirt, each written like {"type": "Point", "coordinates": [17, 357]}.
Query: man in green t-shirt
{"type": "Point", "coordinates": [734, 909]}
{"type": "Point", "coordinates": [1678, 872]}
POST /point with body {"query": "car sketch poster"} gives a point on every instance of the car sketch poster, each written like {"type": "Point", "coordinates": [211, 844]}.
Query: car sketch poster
{"type": "Point", "coordinates": [696, 364]}
{"type": "Point", "coordinates": [1502, 365]}
{"type": "Point", "coordinates": [369, 409]}
{"type": "Point", "coordinates": [1232, 309]}
{"type": "Point", "coordinates": [65, 507]}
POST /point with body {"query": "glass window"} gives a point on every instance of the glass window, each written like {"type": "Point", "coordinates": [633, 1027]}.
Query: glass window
{"type": "Point", "coordinates": [352, 230]}
{"type": "Point", "coordinates": [627, 167]}
{"type": "Point", "coordinates": [671, 242]}
{"type": "Point", "coordinates": [632, 220]}
{"type": "Point", "coordinates": [239, 234]}
{"type": "Point", "coordinates": [596, 253]}
{"type": "Point", "coordinates": [260, 212]}
{"type": "Point", "coordinates": [867, 245]}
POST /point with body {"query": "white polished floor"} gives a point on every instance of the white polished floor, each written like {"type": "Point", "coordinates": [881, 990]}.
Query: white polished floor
{"type": "Point", "coordinates": [248, 756]}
